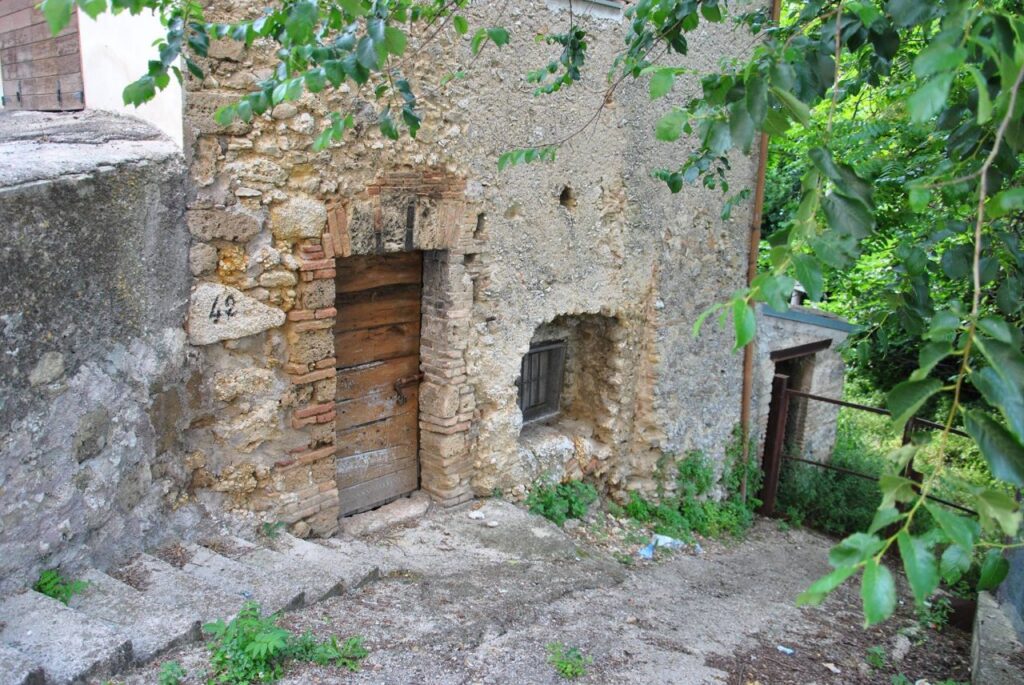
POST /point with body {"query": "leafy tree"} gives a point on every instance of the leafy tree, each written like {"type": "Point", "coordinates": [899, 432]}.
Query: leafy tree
{"type": "Point", "coordinates": [939, 157]}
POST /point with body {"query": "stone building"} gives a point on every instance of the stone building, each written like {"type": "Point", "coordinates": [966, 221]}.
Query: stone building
{"type": "Point", "coordinates": [389, 316]}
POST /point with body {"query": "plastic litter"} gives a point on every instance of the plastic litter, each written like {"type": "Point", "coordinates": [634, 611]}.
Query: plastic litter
{"type": "Point", "coordinates": [476, 515]}
{"type": "Point", "coordinates": [832, 667]}
{"type": "Point", "coordinates": [647, 552]}
{"type": "Point", "coordinates": [786, 650]}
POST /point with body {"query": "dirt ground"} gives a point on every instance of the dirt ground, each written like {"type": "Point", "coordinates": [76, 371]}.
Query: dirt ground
{"type": "Point", "coordinates": [466, 601]}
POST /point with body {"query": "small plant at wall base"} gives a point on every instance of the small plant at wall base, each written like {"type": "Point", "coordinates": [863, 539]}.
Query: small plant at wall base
{"type": "Point", "coordinates": [52, 584]}
{"type": "Point", "coordinates": [569, 662]}
{"type": "Point", "coordinates": [171, 673]}
{"type": "Point", "coordinates": [569, 500]}
{"type": "Point", "coordinates": [252, 648]}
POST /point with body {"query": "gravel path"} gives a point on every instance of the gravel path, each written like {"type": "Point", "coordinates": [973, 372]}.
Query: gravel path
{"type": "Point", "coordinates": [464, 601]}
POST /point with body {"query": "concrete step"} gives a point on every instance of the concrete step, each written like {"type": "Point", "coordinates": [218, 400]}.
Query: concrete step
{"type": "Point", "coordinates": [71, 645]}
{"type": "Point", "coordinates": [172, 587]}
{"type": "Point", "coordinates": [354, 561]}
{"type": "Point", "coordinates": [18, 669]}
{"type": "Point", "coordinates": [153, 627]}
{"type": "Point", "coordinates": [318, 581]}
{"type": "Point", "coordinates": [230, 576]}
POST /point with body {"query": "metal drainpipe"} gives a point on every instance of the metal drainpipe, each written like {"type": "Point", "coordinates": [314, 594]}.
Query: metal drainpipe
{"type": "Point", "coordinates": [752, 252]}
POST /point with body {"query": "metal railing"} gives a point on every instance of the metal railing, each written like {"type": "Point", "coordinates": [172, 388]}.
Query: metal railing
{"type": "Point", "coordinates": [775, 440]}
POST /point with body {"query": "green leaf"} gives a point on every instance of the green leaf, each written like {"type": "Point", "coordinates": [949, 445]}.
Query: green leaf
{"type": "Point", "coordinates": [302, 17]}
{"type": "Point", "coordinates": [895, 489]}
{"type": "Point", "coordinates": [58, 15]}
{"type": "Point", "coordinates": [498, 35]}
{"type": "Point", "coordinates": [906, 399]}
{"type": "Point", "coordinates": [994, 570]}
{"type": "Point", "coordinates": [662, 82]}
{"type": "Point", "coordinates": [920, 198]}
{"type": "Point", "coordinates": [930, 98]}
{"type": "Point", "coordinates": [808, 272]}
{"type": "Point", "coordinates": [938, 57]}
{"type": "Point", "coordinates": [962, 530]}
{"type": "Point", "coordinates": [854, 549]}
{"type": "Point", "coordinates": [394, 40]}
{"type": "Point", "coordinates": [796, 108]}
{"type": "Point", "coordinates": [477, 41]}
{"type": "Point", "coordinates": [877, 592]}
{"type": "Point", "coordinates": [711, 12]}
{"type": "Point", "coordinates": [846, 180]}
{"type": "Point", "coordinates": [847, 216]}
{"type": "Point", "coordinates": [884, 516]}
{"type": "Point", "coordinates": [820, 588]}
{"type": "Point", "coordinates": [354, 8]}
{"type": "Point", "coordinates": [1011, 200]}
{"type": "Point", "coordinates": [744, 321]}
{"type": "Point", "coordinates": [366, 53]}
{"type": "Point", "coordinates": [741, 126]}
{"type": "Point", "coordinates": [1005, 456]}
{"type": "Point", "coordinates": [909, 12]}
{"type": "Point", "coordinates": [984, 99]}
{"type": "Point", "coordinates": [929, 356]}
{"type": "Point", "coordinates": [919, 563]}
{"type": "Point", "coordinates": [773, 290]}
{"type": "Point", "coordinates": [670, 127]}
{"type": "Point", "coordinates": [460, 24]}
{"type": "Point", "coordinates": [93, 8]}
{"type": "Point", "coordinates": [955, 562]}
{"type": "Point", "coordinates": [699, 323]}
{"type": "Point", "coordinates": [140, 91]}
{"type": "Point", "coordinates": [996, 507]}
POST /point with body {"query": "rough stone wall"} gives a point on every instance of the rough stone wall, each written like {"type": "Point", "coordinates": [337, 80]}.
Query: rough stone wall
{"type": "Point", "coordinates": [505, 255]}
{"type": "Point", "coordinates": [94, 390]}
{"type": "Point", "coordinates": [822, 374]}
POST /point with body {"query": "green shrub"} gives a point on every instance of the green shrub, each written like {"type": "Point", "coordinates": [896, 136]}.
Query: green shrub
{"type": "Point", "coordinates": [252, 648]}
{"type": "Point", "coordinates": [52, 584]}
{"type": "Point", "coordinates": [563, 501]}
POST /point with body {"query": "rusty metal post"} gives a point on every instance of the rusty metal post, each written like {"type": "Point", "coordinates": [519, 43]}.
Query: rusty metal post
{"type": "Point", "coordinates": [774, 441]}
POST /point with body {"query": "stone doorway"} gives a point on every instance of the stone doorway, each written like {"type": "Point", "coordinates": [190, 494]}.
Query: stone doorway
{"type": "Point", "coordinates": [377, 348]}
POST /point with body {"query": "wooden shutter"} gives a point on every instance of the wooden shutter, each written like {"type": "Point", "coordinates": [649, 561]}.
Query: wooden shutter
{"type": "Point", "coordinates": [40, 71]}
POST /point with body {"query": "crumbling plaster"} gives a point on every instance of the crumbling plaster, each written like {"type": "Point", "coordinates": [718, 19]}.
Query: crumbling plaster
{"type": "Point", "coordinates": [514, 256]}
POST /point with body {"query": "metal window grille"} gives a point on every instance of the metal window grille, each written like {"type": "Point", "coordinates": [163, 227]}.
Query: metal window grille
{"type": "Point", "coordinates": [540, 380]}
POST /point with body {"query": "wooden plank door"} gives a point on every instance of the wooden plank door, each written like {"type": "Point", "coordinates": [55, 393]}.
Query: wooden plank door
{"type": "Point", "coordinates": [377, 344]}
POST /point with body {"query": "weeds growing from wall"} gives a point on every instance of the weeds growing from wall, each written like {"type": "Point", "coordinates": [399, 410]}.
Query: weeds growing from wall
{"type": "Point", "coordinates": [252, 648]}
{"type": "Point", "coordinates": [563, 501]}
{"type": "Point", "coordinates": [691, 508]}
{"type": "Point", "coordinates": [52, 584]}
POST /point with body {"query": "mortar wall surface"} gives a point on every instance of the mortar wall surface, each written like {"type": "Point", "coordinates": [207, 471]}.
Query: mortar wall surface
{"type": "Point", "coordinates": [507, 254]}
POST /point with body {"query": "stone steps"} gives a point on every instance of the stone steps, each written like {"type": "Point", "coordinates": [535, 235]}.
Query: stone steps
{"type": "Point", "coordinates": [150, 605]}
{"type": "Point", "coordinates": [71, 646]}
{"type": "Point", "coordinates": [154, 627]}
{"type": "Point", "coordinates": [18, 669]}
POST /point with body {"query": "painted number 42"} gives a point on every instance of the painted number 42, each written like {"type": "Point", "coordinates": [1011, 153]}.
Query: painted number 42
{"type": "Point", "coordinates": [229, 308]}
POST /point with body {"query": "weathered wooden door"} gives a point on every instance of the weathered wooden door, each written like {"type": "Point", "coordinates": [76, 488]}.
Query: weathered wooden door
{"type": "Point", "coordinates": [377, 343]}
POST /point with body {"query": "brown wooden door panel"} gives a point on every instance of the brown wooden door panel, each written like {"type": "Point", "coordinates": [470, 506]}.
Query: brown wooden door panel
{"type": "Point", "coordinates": [365, 273]}
{"type": "Point", "coordinates": [370, 408]}
{"type": "Point", "coordinates": [375, 344]}
{"type": "Point", "coordinates": [373, 493]}
{"type": "Point", "coordinates": [372, 308]}
{"type": "Point", "coordinates": [369, 465]}
{"type": "Point", "coordinates": [398, 430]}
{"type": "Point", "coordinates": [374, 377]}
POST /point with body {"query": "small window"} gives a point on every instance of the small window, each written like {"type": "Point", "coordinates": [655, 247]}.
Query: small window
{"type": "Point", "coordinates": [540, 380]}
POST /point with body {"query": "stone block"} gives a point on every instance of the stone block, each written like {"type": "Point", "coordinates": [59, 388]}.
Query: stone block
{"type": "Point", "coordinates": [202, 259]}
{"type": "Point", "coordinates": [297, 218]}
{"type": "Point", "coordinates": [218, 224]}
{"type": "Point", "coordinates": [218, 312]}
{"type": "Point", "coordinates": [437, 400]}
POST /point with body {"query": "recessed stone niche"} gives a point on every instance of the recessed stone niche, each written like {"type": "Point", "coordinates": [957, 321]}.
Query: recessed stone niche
{"type": "Point", "coordinates": [575, 440]}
